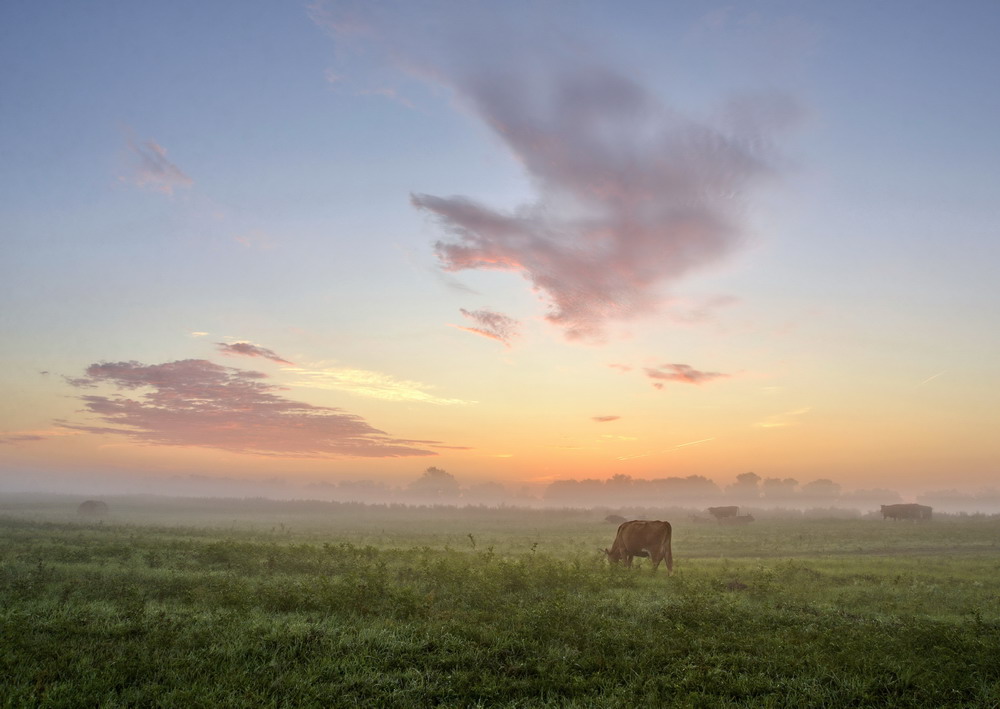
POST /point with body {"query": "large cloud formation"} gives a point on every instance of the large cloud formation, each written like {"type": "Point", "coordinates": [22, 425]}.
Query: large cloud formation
{"type": "Point", "coordinates": [630, 194]}
{"type": "Point", "coordinates": [198, 403]}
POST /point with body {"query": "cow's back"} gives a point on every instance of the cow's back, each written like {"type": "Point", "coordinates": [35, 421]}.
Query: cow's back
{"type": "Point", "coordinates": [644, 534]}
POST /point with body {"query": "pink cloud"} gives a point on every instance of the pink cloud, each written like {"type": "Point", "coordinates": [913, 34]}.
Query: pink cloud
{"type": "Point", "coordinates": [604, 419]}
{"type": "Point", "coordinates": [691, 312]}
{"type": "Point", "coordinates": [152, 169]}
{"type": "Point", "coordinates": [245, 349]}
{"type": "Point", "coordinates": [198, 403]}
{"type": "Point", "coordinates": [19, 438]}
{"type": "Point", "coordinates": [680, 373]}
{"type": "Point", "coordinates": [621, 367]}
{"type": "Point", "coordinates": [630, 194]}
{"type": "Point", "coordinates": [621, 210]}
{"type": "Point", "coordinates": [495, 326]}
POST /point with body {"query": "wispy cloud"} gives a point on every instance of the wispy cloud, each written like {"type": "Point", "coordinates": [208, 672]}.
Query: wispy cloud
{"type": "Point", "coordinates": [681, 373]}
{"type": "Point", "coordinates": [374, 385]}
{"type": "Point", "coordinates": [389, 93]}
{"type": "Point", "coordinates": [246, 349]}
{"type": "Point", "coordinates": [199, 403]}
{"type": "Point", "coordinates": [495, 326]}
{"type": "Point", "coordinates": [694, 312]}
{"type": "Point", "coordinates": [11, 437]}
{"type": "Point", "coordinates": [254, 239]}
{"type": "Point", "coordinates": [932, 378]}
{"type": "Point", "coordinates": [788, 418]}
{"type": "Point", "coordinates": [604, 419]}
{"type": "Point", "coordinates": [667, 450]}
{"type": "Point", "coordinates": [151, 169]}
{"type": "Point", "coordinates": [632, 195]}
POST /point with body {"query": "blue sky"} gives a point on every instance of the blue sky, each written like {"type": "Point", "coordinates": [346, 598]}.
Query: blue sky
{"type": "Point", "coordinates": [248, 171]}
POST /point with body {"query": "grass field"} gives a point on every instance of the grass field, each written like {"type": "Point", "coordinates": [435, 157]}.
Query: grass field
{"type": "Point", "coordinates": [262, 603]}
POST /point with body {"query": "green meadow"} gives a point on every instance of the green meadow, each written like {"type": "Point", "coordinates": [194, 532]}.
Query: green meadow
{"type": "Point", "coordinates": [223, 603]}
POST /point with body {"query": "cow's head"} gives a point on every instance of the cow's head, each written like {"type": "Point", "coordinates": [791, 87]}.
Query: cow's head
{"type": "Point", "coordinates": [614, 555]}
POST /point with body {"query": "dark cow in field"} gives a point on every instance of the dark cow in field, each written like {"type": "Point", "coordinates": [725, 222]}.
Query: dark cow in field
{"type": "Point", "coordinates": [738, 519]}
{"type": "Point", "coordinates": [614, 519]}
{"type": "Point", "coordinates": [92, 508]}
{"type": "Point", "coordinates": [642, 538]}
{"type": "Point", "coordinates": [906, 511]}
{"type": "Point", "coordinates": [724, 512]}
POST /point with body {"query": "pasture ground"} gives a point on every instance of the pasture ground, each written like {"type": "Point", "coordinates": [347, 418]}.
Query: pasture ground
{"type": "Point", "coordinates": [262, 603]}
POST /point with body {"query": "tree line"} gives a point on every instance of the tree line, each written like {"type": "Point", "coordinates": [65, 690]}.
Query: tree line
{"type": "Point", "coordinates": [437, 486]}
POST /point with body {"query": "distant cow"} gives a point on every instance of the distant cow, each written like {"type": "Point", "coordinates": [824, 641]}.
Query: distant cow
{"type": "Point", "coordinates": [92, 508]}
{"type": "Point", "coordinates": [724, 512]}
{"type": "Point", "coordinates": [642, 538]}
{"type": "Point", "coordinates": [738, 519]}
{"type": "Point", "coordinates": [906, 511]}
{"type": "Point", "coordinates": [614, 519]}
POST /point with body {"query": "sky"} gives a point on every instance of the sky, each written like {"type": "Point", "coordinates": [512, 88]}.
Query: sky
{"type": "Point", "coordinates": [521, 242]}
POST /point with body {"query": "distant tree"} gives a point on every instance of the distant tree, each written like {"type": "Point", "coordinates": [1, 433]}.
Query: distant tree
{"type": "Point", "coordinates": [620, 488]}
{"type": "Point", "coordinates": [821, 489]}
{"type": "Point", "coordinates": [591, 489]}
{"type": "Point", "coordinates": [435, 483]}
{"type": "Point", "coordinates": [524, 493]}
{"type": "Point", "coordinates": [987, 500]}
{"type": "Point", "coordinates": [363, 491]}
{"type": "Point", "coordinates": [871, 499]}
{"type": "Point", "coordinates": [779, 489]}
{"type": "Point", "coordinates": [487, 492]}
{"type": "Point", "coordinates": [745, 487]}
{"type": "Point", "coordinates": [675, 490]}
{"type": "Point", "coordinates": [561, 490]}
{"type": "Point", "coordinates": [701, 484]}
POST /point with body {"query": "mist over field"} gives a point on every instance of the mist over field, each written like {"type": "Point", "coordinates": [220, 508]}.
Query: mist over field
{"type": "Point", "coordinates": [753, 493]}
{"type": "Point", "coordinates": [250, 602]}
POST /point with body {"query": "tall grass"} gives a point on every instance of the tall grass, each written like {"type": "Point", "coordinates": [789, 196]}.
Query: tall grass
{"type": "Point", "coordinates": [846, 613]}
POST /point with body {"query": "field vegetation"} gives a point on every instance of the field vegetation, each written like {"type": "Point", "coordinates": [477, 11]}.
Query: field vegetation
{"type": "Point", "coordinates": [263, 603]}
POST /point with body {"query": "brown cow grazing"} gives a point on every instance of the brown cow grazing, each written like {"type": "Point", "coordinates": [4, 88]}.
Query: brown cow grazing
{"type": "Point", "coordinates": [642, 538]}
{"type": "Point", "coordinates": [906, 511]}
{"type": "Point", "coordinates": [721, 513]}
{"type": "Point", "coordinates": [92, 508]}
